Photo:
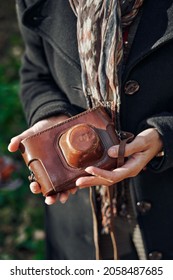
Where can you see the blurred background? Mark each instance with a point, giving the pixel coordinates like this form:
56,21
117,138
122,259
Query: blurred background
21,212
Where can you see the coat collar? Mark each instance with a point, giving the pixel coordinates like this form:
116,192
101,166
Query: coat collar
55,22
154,29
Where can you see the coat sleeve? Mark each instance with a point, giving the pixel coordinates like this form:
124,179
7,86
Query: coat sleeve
164,124
40,95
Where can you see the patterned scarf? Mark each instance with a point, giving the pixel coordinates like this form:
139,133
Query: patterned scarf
100,43
100,25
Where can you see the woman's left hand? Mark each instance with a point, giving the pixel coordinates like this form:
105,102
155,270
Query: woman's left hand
139,152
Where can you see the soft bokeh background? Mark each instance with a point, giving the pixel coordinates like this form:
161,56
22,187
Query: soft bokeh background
21,213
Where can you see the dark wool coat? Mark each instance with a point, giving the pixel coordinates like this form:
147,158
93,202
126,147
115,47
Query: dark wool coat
51,84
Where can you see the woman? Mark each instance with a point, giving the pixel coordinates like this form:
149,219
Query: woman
52,89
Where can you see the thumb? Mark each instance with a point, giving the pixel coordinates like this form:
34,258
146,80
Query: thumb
15,141
14,144
137,145
113,151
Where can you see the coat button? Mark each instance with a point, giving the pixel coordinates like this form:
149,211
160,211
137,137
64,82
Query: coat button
143,207
37,19
131,87
155,255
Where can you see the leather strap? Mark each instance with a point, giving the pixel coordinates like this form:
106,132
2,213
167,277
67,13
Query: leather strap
110,190
121,153
126,137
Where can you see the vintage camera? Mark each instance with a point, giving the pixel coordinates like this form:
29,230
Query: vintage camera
59,155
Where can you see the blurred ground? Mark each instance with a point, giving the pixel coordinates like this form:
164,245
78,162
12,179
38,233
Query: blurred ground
21,213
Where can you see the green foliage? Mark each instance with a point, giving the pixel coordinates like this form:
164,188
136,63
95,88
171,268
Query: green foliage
21,215
12,120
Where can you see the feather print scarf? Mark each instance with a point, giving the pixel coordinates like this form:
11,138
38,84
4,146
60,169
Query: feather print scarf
100,25
100,44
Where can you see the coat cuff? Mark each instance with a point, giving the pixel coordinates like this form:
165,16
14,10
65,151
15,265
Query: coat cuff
52,109
164,125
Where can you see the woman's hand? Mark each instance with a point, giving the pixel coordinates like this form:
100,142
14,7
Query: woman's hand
14,146
139,152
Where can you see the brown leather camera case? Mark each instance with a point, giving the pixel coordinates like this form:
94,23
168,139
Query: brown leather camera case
59,155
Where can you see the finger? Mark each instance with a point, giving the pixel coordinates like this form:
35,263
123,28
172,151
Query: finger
73,191
130,169
137,145
63,197
14,144
96,179
142,142
91,181
15,141
35,188
51,199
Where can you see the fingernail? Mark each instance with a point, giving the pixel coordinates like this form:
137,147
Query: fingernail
112,151
63,199
90,170
47,201
78,185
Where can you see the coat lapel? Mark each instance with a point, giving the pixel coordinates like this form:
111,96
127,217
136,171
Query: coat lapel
154,29
55,22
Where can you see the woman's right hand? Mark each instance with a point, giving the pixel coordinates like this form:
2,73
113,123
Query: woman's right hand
14,146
